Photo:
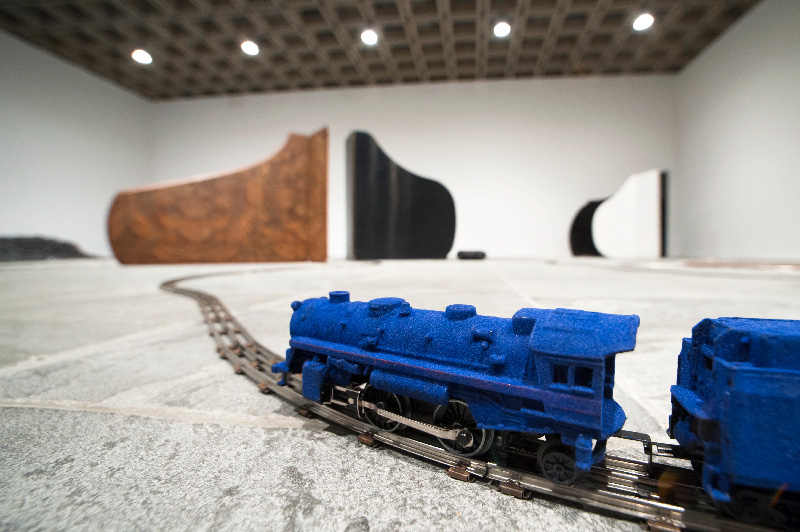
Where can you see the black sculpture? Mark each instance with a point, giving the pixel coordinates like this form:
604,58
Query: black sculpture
38,248
580,234
394,214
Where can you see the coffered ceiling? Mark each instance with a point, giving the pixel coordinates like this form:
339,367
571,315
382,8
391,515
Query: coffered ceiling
315,44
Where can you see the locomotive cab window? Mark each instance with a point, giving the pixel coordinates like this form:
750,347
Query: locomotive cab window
560,374
583,377
578,378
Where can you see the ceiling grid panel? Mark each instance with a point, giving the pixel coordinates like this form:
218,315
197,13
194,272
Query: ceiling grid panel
545,65
448,38
195,45
482,36
696,19
345,41
410,27
613,23
519,23
367,10
650,47
579,63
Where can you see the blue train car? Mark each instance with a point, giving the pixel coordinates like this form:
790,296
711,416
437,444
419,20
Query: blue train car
736,405
543,371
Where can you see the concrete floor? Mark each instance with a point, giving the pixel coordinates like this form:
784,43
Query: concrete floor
117,413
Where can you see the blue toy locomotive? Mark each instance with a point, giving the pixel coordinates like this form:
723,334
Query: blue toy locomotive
542,372
471,381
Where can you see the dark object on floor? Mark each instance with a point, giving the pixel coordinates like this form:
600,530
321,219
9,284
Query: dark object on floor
392,213
273,211
37,248
471,255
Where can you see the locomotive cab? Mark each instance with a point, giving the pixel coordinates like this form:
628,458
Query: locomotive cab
581,397
574,356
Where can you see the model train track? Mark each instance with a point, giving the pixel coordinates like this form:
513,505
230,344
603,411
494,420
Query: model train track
621,486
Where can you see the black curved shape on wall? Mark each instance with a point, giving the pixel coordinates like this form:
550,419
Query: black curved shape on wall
392,213
580,234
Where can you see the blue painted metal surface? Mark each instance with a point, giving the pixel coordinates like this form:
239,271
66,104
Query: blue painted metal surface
737,404
547,371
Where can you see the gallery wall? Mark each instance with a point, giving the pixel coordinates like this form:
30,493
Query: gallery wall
737,188
519,157
68,141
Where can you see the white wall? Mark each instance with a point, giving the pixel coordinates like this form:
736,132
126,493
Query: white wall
519,157
68,141
737,190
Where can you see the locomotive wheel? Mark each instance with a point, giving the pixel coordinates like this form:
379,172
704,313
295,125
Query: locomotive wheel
391,402
456,415
557,462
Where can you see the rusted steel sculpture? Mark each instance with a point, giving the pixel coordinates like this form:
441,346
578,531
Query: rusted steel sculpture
273,211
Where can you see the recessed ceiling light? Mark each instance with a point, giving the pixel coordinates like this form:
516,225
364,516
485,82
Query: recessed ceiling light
502,29
369,37
140,56
250,48
643,21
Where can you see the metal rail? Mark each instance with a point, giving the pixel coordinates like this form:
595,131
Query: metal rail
621,486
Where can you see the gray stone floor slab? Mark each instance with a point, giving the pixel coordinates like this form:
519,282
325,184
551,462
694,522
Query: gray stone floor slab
116,413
